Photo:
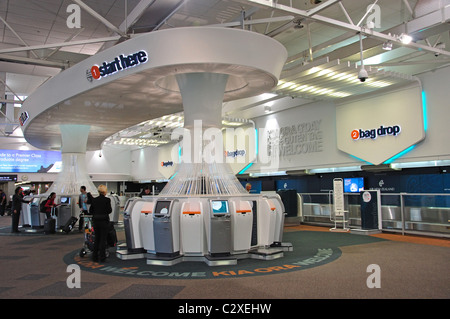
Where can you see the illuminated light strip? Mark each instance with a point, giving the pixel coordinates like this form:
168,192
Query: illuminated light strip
425,127
389,161
256,153
424,111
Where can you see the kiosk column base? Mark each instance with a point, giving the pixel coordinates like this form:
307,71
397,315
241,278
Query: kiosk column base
124,253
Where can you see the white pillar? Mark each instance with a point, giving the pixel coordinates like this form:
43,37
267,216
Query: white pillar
73,152
204,171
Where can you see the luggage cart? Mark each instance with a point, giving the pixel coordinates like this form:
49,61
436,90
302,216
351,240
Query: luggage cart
89,236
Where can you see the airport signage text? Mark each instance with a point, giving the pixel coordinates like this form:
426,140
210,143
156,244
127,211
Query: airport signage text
120,63
166,164
374,133
235,153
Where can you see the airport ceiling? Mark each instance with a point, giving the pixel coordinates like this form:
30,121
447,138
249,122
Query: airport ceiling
40,38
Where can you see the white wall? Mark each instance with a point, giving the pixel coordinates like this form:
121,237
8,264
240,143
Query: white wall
122,163
144,164
434,146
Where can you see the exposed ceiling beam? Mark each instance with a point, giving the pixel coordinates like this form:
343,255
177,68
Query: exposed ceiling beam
444,14
97,16
58,45
17,35
135,14
24,60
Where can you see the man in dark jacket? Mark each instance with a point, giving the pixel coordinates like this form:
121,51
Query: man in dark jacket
100,210
16,208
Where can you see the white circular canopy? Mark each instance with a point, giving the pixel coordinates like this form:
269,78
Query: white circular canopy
139,84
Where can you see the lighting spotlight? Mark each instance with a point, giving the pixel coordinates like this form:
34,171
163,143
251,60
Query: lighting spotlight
404,38
387,46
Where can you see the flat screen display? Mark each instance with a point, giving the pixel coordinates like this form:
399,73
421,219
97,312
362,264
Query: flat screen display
162,207
219,207
35,200
65,200
353,185
21,161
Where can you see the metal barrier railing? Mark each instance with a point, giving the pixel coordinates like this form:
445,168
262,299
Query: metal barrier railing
425,213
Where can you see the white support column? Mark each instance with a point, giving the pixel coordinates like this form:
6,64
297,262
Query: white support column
73,152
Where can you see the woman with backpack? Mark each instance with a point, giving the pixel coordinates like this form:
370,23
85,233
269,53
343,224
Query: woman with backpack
49,204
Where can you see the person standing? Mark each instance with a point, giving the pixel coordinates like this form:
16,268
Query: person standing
16,208
100,210
2,202
50,204
83,205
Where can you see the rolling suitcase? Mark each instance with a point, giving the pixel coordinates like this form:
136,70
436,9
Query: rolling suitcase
49,225
70,224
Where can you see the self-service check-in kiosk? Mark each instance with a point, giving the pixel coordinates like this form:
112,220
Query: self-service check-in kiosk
279,219
266,222
131,216
219,237
241,226
115,205
191,228
35,214
64,211
166,227
146,227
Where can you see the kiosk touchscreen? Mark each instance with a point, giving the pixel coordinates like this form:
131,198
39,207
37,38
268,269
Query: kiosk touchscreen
65,201
162,208
166,228
220,228
64,211
220,207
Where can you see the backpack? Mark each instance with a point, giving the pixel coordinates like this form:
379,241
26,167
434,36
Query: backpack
42,206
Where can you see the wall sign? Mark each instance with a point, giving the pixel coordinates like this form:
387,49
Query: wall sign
23,118
166,164
302,138
374,133
235,153
119,63
389,123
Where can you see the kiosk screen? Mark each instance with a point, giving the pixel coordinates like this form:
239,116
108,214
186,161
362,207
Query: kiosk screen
35,201
162,208
65,200
219,207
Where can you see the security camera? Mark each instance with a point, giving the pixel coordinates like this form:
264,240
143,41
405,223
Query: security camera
362,75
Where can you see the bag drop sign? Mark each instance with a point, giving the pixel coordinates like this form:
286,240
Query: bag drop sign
358,134
119,63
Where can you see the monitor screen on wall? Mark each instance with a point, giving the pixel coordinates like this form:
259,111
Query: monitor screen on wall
353,185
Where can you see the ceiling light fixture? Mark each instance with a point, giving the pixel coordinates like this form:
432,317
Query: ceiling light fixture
404,38
387,46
